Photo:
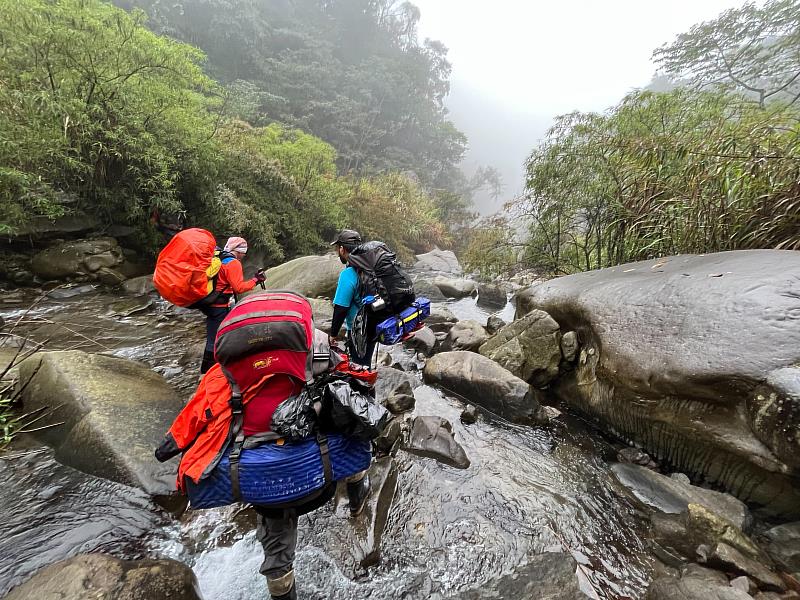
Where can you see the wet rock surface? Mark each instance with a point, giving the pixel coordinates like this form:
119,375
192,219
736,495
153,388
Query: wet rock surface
113,413
485,383
729,559
401,399
548,576
139,286
103,577
528,347
423,340
441,319
313,276
494,324
692,588
441,261
82,258
672,496
783,545
465,335
455,288
425,288
492,295
690,398
391,381
432,437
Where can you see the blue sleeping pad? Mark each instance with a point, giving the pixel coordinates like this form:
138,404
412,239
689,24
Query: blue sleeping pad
395,328
276,474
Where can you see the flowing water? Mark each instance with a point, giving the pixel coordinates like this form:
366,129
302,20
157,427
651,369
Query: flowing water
528,490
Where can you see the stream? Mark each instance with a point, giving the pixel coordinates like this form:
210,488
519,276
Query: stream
527,491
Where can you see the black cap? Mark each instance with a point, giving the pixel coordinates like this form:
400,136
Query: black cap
347,238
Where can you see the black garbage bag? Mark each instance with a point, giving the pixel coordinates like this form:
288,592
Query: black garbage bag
295,417
350,409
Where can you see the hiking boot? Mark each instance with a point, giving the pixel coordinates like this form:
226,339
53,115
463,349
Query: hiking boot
282,588
357,494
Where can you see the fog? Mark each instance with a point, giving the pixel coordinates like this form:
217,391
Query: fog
517,64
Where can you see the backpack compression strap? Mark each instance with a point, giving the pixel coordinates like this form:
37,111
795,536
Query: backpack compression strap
237,433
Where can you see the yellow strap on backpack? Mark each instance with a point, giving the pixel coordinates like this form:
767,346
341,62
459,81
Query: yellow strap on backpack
212,270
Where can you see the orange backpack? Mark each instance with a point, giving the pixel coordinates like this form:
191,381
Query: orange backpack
187,268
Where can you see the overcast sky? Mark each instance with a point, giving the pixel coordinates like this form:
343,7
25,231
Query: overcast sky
519,63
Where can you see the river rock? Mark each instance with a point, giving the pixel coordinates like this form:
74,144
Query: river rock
312,276
455,288
103,577
114,413
709,528
469,415
323,313
386,441
391,381
139,286
432,437
485,383
492,296
671,496
441,261
76,259
130,306
569,346
465,335
783,545
64,292
423,340
693,358
401,399
528,347
423,288
744,584
549,576
730,559
667,588
441,319
494,324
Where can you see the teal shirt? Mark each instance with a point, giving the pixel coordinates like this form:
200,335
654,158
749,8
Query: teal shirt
347,294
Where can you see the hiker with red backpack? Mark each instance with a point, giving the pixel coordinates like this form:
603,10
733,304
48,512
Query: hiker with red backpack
276,423
193,272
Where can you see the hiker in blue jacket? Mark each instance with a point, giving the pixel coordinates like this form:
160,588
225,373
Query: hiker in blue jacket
347,299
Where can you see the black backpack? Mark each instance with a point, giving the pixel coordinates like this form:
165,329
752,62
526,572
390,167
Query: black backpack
379,275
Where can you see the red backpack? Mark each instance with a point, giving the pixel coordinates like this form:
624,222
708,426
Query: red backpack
186,269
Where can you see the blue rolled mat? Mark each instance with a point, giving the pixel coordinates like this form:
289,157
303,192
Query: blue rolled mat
276,474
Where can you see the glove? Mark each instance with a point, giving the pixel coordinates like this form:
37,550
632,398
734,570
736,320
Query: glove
260,276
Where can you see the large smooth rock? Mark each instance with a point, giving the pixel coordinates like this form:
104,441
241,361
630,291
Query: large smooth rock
692,588
139,286
391,381
673,496
323,314
103,577
432,437
82,258
783,545
423,288
114,412
441,319
731,560
528,347
311,276
455,288
694,359
422,340
442,261
549,576
483,382
491,295
465,335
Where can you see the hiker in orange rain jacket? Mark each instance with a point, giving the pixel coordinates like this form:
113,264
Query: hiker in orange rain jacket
230,281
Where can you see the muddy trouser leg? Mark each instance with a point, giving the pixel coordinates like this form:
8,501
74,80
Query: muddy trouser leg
278,537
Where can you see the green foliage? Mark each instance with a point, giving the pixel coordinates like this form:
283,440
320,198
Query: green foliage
95,105
754,50
350,72
491,249
663,174
397,210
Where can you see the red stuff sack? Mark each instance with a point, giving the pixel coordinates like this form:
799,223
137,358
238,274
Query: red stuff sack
187,268
266,334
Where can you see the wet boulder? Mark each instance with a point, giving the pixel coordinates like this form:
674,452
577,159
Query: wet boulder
312,276
139,286
103,577
441,261
483,382
730,560
455,288
494,324
432,437
423,288
694,359
491,295
528,347
465,335
673,496
422,340
693,588
393,381
323,313
402,399
107,414
441,319
549,576
783,545
81,259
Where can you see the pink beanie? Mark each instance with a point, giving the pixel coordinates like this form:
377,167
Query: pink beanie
236,244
